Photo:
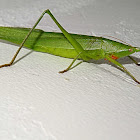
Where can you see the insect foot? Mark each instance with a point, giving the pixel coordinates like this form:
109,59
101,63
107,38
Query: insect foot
5,65
63,71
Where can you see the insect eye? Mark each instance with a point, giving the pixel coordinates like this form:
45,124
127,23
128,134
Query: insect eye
130,50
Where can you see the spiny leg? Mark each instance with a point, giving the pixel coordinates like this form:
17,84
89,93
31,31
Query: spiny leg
121,66
74,43
134,61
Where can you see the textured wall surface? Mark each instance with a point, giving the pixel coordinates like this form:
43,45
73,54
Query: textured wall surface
94,101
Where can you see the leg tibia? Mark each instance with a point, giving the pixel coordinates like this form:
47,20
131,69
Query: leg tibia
124,69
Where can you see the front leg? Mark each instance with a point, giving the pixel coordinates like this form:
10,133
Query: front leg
121,66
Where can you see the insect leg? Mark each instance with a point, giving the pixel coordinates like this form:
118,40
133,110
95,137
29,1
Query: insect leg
21,45
134,61
70,66
121,66
74,43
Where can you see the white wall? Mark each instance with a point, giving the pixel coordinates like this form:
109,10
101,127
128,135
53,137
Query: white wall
94,101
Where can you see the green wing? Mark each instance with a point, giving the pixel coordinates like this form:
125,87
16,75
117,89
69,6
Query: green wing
49,42
57,44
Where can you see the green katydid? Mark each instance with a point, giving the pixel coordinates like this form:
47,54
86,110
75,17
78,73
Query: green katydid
67,45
